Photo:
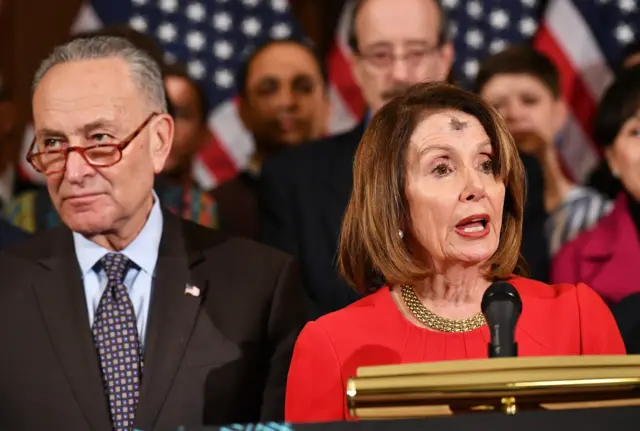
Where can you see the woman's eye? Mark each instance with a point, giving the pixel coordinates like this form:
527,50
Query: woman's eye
487,166
442,169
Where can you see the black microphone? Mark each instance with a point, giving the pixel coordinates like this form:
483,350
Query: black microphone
501,306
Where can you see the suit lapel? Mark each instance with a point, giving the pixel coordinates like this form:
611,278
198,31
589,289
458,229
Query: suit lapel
60,295
172,318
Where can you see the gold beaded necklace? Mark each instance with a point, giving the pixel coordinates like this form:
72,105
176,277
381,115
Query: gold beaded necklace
435,322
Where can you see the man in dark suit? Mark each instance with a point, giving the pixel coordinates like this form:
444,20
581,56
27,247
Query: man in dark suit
283,102
305,191
127,316
10,234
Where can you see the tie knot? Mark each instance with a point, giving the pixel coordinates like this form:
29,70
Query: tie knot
116,265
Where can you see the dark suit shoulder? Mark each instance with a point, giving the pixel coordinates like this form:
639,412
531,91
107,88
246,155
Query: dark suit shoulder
42,244
314,153
10,234
206,239
243,183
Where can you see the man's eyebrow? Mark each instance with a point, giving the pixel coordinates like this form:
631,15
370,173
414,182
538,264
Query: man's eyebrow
378,45
45,131
100,123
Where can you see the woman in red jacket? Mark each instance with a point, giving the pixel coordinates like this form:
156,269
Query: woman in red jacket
607,256
435,217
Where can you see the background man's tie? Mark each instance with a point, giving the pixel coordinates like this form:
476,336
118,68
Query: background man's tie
115,335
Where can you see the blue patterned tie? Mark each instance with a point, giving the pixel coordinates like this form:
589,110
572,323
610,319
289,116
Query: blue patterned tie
115,335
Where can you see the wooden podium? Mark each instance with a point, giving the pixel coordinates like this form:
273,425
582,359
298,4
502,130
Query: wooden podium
509,385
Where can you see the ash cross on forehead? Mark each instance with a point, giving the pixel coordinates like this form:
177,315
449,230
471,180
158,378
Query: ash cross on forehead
457,124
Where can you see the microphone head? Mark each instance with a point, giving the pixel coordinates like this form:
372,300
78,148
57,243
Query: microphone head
501,306
501,291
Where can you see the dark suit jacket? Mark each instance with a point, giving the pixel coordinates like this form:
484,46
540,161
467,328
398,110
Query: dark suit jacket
237,205
628,320
219,358
303,196
10,234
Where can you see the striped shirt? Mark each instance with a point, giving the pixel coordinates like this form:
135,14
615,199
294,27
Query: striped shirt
581,210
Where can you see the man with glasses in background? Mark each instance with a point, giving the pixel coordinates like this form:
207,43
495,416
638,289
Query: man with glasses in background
304,191
127,316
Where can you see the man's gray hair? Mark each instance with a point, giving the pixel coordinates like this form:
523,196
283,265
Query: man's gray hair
144,70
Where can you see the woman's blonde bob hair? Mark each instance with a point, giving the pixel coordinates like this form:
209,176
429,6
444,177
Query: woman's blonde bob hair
371,253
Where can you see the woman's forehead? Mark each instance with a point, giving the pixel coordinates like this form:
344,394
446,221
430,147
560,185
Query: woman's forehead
448,126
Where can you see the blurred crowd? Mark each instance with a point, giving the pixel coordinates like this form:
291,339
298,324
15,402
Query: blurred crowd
293,193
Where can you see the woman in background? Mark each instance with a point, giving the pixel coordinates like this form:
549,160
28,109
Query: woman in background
436,216
607,256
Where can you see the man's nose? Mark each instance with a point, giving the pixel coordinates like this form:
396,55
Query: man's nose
285,98
513,113
76,167
400,70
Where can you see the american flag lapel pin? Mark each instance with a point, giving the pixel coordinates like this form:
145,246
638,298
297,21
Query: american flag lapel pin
192,290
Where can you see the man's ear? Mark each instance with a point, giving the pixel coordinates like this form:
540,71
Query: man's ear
446,59
161,140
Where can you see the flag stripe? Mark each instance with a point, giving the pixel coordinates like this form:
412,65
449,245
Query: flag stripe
231,133
569,41
340,71
576,152
342,117
576,39
202,175
86,19
222,166
340,74
574,90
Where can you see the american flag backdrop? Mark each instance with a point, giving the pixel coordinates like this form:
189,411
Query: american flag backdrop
583,37
212,38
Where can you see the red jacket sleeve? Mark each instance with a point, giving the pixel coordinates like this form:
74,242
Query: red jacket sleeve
315,390
599,331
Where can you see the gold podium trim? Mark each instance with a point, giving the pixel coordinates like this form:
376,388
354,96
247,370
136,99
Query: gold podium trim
505,384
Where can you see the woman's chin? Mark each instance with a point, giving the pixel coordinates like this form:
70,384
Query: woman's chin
474,256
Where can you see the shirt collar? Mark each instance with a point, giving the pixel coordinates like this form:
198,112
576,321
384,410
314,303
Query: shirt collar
143,250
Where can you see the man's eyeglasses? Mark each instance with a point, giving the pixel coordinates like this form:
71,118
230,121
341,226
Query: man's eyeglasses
51,162
385,58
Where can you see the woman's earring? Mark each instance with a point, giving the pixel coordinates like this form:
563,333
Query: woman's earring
400,233
615,174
